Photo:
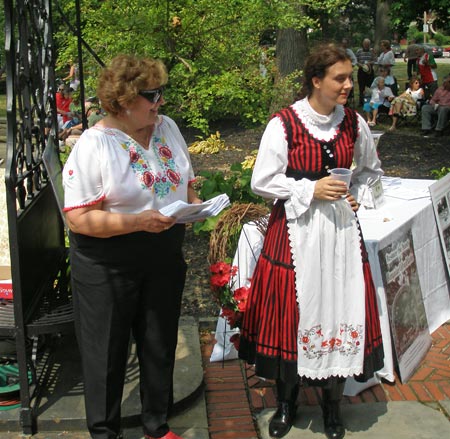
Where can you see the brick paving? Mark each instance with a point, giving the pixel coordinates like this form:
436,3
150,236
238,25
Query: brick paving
234,394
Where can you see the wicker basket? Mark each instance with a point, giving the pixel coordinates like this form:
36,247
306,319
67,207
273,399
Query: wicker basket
225,236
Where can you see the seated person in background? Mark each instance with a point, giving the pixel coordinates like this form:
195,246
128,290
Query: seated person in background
380,101
93,114
63,99
438,107
406,103
74,111
389,80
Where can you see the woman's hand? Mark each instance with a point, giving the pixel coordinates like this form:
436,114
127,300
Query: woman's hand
94,221
329,189
153,221
353,203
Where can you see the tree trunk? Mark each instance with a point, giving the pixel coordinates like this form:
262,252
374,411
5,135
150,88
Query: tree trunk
291,50
382,22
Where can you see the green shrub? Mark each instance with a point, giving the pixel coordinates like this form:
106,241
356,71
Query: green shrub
236,184
439,173
440,39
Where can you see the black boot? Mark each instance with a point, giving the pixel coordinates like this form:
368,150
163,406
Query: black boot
284,417
282,420
331,402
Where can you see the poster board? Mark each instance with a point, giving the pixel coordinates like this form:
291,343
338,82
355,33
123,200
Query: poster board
408,321
440,197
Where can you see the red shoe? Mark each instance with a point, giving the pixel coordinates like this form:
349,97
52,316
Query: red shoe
170,435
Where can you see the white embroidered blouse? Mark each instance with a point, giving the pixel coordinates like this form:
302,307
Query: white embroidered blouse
109,166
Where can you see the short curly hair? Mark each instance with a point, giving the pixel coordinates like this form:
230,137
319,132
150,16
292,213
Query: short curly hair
120,82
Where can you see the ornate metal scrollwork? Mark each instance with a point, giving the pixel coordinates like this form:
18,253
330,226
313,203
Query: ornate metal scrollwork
31,107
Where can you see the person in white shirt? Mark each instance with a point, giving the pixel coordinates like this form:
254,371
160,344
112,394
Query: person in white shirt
306,313
380,101
127,264
386,57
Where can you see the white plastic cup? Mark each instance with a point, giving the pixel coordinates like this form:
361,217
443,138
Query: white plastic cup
342,174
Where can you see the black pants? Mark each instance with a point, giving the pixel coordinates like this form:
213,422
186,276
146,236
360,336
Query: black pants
364,80
130,283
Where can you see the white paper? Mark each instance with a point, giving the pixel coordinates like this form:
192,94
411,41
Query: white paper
187,213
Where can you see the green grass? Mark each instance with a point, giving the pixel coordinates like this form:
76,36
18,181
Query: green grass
2,105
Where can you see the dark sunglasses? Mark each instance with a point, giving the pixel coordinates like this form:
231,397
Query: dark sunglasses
152,96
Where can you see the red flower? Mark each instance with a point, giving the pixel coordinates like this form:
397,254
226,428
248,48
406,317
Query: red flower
241,293
242,305
232,317
233,303
305,340
235,339
221,274
219,280
223,268
354,334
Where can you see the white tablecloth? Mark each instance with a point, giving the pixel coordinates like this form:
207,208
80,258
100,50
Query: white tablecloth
406,201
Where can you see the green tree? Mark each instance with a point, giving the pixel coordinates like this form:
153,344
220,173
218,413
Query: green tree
403,12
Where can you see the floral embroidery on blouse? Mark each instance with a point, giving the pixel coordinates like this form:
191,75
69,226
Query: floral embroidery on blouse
347,343
159,182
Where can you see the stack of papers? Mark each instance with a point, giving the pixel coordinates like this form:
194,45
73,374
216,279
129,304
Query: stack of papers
187,213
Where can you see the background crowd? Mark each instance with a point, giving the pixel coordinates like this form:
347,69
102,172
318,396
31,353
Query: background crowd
421,98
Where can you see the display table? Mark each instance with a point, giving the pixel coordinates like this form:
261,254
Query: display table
407,204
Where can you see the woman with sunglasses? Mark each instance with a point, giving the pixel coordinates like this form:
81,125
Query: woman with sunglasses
127,264
406,104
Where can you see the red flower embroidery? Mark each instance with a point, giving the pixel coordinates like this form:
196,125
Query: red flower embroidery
134,156
70,171
354,334
165,152
173,176
305,340
148,178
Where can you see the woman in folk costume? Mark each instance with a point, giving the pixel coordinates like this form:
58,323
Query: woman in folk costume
312,313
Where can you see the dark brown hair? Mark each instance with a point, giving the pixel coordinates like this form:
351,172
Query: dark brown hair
317,64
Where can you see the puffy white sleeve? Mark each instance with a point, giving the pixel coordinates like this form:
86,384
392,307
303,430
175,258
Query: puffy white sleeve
269,179
82,178
368,165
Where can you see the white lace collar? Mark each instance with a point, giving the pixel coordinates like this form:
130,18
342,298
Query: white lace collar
323,127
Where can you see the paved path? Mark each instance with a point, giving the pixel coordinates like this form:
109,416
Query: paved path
419,409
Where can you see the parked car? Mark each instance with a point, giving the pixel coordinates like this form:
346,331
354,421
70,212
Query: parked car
436,51
397,49
446,52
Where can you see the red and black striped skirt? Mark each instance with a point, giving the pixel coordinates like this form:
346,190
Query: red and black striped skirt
269,329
